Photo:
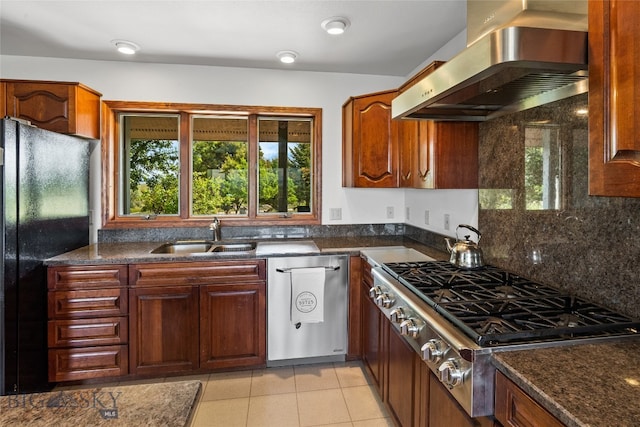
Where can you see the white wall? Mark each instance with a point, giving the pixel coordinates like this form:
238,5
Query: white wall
219,85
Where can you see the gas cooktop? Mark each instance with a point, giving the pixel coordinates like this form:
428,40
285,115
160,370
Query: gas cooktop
495,307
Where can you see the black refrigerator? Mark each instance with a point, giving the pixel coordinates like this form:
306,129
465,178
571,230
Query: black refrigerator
45,212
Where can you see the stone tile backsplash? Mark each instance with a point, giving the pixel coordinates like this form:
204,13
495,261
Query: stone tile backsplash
537,218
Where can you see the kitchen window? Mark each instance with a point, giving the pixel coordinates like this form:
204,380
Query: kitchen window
183,164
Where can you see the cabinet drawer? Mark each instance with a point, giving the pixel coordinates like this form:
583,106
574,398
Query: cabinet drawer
195,273
88,332
86,277
93,303
514,408
86,363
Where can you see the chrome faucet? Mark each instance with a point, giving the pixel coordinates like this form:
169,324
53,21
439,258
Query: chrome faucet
215,227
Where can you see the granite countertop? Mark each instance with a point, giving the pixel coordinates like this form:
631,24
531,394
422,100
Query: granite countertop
595,385
169,404
132,252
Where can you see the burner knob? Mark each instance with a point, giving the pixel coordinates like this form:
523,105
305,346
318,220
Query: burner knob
411,328
398,315
385,300
433,350
375,291
451,373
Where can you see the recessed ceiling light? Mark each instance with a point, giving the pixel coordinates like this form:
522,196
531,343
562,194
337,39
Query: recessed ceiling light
335,25
126,47
287,56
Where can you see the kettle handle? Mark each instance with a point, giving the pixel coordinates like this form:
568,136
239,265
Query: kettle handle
468,227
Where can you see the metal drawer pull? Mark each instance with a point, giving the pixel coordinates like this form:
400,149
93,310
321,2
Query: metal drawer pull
288,270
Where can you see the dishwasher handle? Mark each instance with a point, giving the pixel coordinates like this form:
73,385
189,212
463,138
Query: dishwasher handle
288,269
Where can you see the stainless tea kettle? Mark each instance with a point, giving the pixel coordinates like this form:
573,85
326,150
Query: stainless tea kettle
465,253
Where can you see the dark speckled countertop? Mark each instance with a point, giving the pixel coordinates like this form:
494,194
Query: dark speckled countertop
133,252
169,404
595,385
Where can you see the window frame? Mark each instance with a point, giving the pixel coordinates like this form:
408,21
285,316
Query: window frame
111,157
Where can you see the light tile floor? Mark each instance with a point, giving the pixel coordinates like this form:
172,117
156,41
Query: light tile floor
332,394
336,394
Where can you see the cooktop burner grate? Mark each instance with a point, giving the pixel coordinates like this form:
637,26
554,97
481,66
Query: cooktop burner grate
496,307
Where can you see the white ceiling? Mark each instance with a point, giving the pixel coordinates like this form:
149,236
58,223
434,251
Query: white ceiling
386,37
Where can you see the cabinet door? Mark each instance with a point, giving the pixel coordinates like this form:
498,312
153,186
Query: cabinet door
370,142
3,99
355,308
373,341
408,154
163,329
614,96
423,163
454,154
442,155
514,408
232,325
444,410
59,107
403,379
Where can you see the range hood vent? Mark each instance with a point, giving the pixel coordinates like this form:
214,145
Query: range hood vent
524,63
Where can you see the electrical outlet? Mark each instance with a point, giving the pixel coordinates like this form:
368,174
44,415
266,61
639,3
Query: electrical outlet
335,214
408,213
446,221
426,217
389,212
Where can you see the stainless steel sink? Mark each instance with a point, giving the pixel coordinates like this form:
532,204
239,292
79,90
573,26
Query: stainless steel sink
234,247
193,247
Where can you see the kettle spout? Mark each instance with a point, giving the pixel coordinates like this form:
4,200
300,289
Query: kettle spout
449,245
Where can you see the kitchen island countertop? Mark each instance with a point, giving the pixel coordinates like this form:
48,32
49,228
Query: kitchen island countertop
595,385
134,252
169,404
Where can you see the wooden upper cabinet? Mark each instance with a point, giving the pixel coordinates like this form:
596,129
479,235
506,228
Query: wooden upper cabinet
62,107
3,98
439,155
369,142
614,97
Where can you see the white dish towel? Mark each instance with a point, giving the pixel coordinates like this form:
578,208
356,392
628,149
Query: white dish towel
307,295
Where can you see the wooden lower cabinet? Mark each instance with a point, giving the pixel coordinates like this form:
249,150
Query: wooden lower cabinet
444,410
155,318
88,324
403,380
232,319
70,364
514,408
188,316
374,334
354,351
164,324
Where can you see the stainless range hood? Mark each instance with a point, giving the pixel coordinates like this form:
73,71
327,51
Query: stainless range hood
520,54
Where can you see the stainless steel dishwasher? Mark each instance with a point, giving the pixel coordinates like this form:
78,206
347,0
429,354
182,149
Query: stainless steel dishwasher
297,342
